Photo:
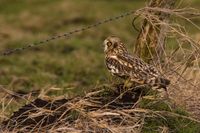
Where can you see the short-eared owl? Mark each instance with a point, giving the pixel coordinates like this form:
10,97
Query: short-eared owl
122,64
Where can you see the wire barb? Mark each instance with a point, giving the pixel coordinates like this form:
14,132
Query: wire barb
67,34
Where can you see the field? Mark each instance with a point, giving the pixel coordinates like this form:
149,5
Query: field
74,66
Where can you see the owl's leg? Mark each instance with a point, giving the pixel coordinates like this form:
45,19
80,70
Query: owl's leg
128,84
125,88
122,88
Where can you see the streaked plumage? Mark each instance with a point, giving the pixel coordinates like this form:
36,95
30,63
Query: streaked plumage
122,64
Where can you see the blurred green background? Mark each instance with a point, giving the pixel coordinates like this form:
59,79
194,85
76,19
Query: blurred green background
76,64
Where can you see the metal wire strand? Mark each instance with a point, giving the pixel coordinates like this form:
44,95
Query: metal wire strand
67,34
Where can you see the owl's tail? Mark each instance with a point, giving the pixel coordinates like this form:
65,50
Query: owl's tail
160,83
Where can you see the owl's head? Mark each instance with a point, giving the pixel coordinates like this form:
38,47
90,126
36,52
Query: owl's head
113,44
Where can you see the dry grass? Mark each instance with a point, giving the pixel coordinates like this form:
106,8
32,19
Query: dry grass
181,65
98,111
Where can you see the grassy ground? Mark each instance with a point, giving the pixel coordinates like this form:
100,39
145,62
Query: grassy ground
74,65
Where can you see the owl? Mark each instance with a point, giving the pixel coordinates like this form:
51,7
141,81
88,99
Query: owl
126,66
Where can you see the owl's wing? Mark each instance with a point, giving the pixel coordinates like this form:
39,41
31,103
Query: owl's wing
140,66
124,69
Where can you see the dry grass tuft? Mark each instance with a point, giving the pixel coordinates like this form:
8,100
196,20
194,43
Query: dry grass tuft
99,111
181,53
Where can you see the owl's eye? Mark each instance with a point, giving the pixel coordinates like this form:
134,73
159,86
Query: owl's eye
109,43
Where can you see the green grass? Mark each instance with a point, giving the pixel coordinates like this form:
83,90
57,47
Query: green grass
155,123
175,125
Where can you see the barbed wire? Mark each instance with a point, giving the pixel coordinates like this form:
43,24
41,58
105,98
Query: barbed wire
67,34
